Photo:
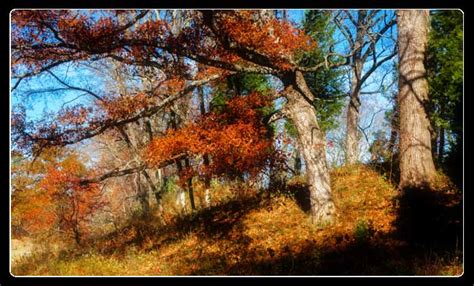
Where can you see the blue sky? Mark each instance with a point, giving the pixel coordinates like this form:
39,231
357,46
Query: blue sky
43,94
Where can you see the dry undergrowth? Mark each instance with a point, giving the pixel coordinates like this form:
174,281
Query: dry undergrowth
259,234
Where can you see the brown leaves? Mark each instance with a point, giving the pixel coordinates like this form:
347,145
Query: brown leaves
122,106
75,116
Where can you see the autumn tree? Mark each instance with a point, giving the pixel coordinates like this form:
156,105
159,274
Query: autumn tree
245,84
416,162
225,41
51,199
32,209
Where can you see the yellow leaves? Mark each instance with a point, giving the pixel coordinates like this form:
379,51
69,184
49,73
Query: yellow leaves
363,193
282,228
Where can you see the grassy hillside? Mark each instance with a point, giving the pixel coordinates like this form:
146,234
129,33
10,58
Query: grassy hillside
270,233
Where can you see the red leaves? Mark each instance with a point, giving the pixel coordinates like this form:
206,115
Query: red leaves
41,38
92,36
236,140
278,40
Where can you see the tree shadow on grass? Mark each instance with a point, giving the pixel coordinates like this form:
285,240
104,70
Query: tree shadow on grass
430,219
427,238
300,193
428,230
312,259
427,218
209,224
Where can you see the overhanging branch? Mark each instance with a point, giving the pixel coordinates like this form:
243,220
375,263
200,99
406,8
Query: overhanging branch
106,125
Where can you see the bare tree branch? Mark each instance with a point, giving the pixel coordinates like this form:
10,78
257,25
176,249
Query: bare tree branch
95,95
363,129
33,73
376,64
133,170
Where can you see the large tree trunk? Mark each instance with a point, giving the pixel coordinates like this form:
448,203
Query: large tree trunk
312,143
416,161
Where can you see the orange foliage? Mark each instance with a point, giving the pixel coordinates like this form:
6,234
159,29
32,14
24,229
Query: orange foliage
71,36
41,39
33,210
276,39
172,85
75,203
76,116
206,71
236,140
76,30
57,200
120,107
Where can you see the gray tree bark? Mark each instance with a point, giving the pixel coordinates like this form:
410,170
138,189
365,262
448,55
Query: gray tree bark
368,35
416,161
205,157
312,145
